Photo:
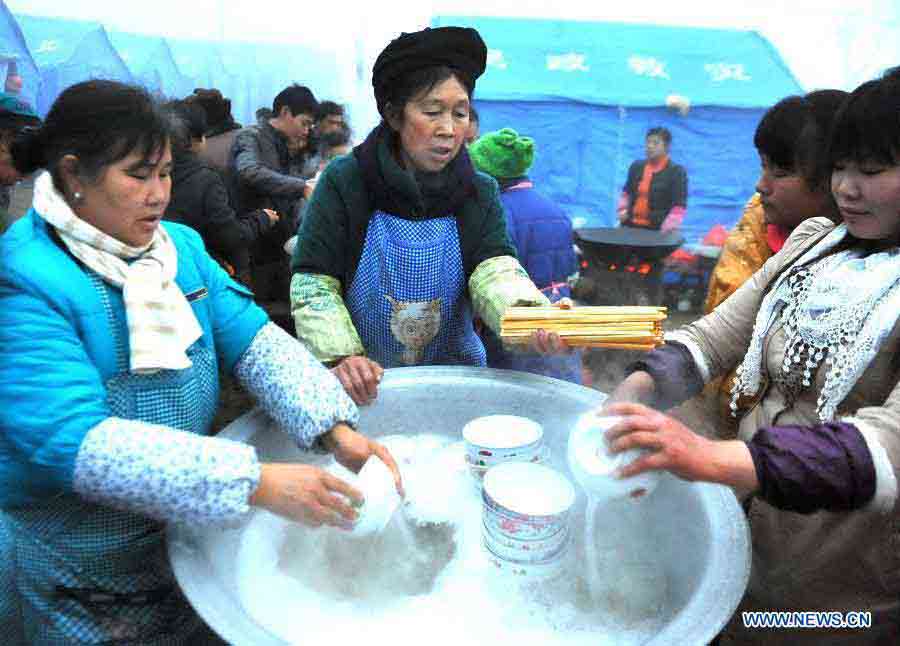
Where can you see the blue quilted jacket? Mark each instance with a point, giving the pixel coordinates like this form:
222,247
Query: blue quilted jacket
57,349
542,235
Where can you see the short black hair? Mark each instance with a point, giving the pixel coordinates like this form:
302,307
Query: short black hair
662,133
328,108
216,106
100,122
793,134
867,127
298,99
421,81
190,124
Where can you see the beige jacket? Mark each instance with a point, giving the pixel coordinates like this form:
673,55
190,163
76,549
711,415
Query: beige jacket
821,561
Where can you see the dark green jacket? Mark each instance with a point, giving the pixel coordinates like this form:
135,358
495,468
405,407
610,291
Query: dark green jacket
333,231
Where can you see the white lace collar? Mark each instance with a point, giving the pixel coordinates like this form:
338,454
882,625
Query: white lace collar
840,308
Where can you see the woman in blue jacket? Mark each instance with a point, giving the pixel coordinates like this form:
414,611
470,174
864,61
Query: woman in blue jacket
112,328
542,235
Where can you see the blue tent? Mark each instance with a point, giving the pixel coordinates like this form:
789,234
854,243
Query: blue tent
587,92
151,64
67,52
268,68
14,49
239,59
203,63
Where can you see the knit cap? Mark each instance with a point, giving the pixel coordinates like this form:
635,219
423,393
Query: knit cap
460,48
13,108
502,154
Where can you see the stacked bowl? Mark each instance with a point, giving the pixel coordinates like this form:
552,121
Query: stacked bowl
526,508
496,439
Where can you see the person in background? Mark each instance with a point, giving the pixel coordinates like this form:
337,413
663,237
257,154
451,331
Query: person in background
260,167
15,116
333,144
472,133
403,239
221,128
816,333
329,118
263,115
542,235
112,325
655,193
199,198
303,159
793,186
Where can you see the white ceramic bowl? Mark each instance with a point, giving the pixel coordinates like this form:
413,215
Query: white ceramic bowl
537,570
524,551
594,466
376,482
526,501
478,471
494,439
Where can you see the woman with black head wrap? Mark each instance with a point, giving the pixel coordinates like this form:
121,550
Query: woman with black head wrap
402,239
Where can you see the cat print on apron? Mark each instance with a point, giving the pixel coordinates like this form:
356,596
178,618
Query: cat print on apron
409,298
90,574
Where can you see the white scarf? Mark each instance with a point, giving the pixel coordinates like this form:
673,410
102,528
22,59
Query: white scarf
161,323
842,307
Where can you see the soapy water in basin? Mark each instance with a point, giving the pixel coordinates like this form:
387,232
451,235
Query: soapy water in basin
426,576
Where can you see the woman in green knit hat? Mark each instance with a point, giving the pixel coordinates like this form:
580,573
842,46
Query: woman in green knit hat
542,234
402,240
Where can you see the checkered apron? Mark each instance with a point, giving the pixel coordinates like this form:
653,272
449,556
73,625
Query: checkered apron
413,262
89,574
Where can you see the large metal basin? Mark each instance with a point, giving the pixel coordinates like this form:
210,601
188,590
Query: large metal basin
701,528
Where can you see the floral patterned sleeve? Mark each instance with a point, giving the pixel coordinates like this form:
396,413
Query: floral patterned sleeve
297,391
321,318
164,473
498,283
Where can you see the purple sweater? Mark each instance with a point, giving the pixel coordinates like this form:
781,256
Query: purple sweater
799,468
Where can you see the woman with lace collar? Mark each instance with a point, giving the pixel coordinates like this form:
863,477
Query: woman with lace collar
816,336
112,328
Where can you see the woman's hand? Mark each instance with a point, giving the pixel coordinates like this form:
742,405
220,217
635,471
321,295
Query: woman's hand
353,449
675,448
544,342
306,494
360,377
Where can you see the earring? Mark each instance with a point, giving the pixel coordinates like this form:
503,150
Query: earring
77,196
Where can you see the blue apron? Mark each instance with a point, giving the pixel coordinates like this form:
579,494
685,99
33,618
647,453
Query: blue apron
409,298
89,574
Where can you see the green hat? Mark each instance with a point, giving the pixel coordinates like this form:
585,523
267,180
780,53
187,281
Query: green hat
502,154
12,108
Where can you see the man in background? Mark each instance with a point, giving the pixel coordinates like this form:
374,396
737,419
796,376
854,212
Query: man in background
260,169
329,118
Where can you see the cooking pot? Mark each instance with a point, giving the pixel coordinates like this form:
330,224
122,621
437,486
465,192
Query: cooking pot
700,528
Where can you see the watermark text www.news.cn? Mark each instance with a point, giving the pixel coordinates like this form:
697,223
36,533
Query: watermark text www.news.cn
807,619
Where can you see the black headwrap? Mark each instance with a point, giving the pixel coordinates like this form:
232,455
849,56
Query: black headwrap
459,48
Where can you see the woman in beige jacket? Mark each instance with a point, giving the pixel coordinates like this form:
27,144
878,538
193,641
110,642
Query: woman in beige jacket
816,335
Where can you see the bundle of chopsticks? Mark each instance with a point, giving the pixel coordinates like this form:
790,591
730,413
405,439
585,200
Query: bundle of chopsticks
624,328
